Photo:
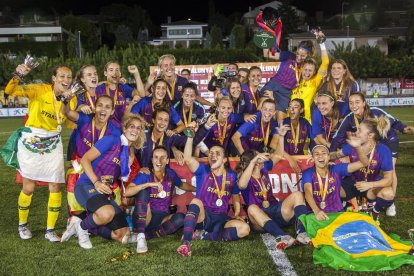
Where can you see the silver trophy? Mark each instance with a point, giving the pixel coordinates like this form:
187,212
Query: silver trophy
30,62
75,88
319,39
411,235
190,132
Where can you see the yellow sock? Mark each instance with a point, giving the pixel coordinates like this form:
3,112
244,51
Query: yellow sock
53,209
24,207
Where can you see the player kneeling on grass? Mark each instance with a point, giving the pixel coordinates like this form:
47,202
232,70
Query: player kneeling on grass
367,181
322,183
153,197
264,210
207,212
103,164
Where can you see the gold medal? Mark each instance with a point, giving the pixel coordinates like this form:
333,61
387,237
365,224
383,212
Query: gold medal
59,128
219,202
323,205
162,194
265,204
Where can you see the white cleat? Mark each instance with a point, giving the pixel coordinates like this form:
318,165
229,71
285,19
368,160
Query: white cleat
70,229
391,211
24,232
51,236
83,237
141,244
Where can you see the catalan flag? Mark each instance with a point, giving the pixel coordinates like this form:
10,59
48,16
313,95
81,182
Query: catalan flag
353,241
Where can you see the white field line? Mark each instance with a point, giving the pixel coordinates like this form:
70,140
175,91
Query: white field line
280,259
406,142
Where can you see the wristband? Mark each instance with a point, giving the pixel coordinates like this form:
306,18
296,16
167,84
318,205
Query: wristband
322,46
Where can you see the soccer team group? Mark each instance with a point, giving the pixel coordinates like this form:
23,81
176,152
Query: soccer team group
120,151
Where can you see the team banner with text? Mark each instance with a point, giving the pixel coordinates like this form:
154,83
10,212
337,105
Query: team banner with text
201,74
283,178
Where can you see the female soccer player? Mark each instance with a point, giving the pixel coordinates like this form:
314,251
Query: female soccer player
220,126
322,182
297,139
360,110
103,164
153,196
325,119
264,211
260,134
215,185
91,128
119,92
147,105
241,101
287,77
188,108
367,181
89,78
157,136
40,151
342,83
254,79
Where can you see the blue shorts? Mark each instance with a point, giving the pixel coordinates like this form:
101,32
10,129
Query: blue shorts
281,94
275,213
213,222
84,191
156,220
394,146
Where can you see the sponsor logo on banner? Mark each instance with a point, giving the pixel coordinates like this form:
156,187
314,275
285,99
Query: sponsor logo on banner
406,101
13,112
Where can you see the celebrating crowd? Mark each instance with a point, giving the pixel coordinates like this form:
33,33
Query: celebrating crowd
119,151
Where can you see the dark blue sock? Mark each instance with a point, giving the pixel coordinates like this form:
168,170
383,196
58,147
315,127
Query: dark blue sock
299,210
168,227
226,234
190,221
88,223
103,231
382,204
139,217
272,228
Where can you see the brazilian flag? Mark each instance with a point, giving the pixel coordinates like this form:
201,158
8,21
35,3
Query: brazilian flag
353,241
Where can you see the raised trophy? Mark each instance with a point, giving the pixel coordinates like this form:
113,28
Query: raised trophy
411,235
30,62
75,88
320,38
270,29
190,132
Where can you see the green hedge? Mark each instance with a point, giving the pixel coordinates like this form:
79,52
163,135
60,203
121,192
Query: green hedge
363,62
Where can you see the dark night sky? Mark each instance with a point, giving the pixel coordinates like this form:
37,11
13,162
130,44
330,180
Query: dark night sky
159,10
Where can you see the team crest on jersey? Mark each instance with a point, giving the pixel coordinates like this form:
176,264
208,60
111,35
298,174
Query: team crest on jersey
169,183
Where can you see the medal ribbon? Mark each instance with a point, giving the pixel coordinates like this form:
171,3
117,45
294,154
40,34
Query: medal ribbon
263,190
155,141
253,95
93,131
356,121
109,94
221,134
160,180
124,158
221,192
323,190
187,121
339,93
171,94
295,136
297,74
90,100
330,128
265,135
371,155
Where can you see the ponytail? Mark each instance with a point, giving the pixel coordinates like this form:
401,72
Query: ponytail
379,126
